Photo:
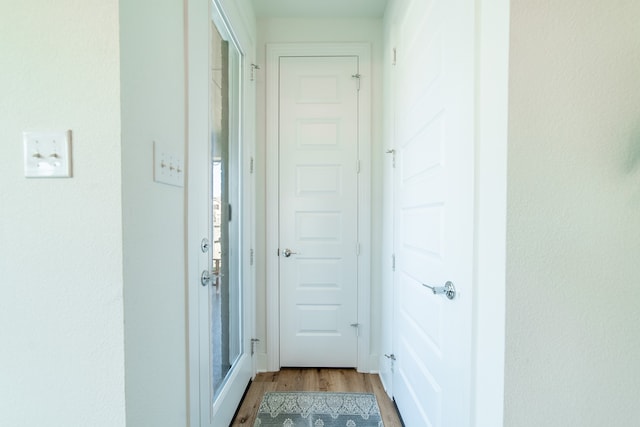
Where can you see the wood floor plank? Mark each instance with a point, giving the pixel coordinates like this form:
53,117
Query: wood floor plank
246,415
311,379
289,380
267,377
388,410
314,379
338,381
323,380
364,382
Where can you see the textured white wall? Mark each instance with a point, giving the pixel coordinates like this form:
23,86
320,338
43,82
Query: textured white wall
153,108
293,30
573,336
61,314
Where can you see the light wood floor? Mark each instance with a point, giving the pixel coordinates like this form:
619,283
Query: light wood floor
314,379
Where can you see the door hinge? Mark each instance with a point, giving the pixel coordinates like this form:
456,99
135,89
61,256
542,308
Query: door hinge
358,166
251,165
393,156
357,77
357,249
357,326
229,212
254,343
394,57
393,262
250,256
392,360
254,67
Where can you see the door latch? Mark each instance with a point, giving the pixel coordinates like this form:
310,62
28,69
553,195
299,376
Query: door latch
448,290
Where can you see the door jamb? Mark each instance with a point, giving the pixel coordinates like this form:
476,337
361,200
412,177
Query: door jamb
274,52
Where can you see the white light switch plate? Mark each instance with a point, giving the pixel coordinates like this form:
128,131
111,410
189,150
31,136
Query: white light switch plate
168,167
47,154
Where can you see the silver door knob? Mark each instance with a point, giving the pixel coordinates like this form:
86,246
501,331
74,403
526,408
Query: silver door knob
288,252
209,277
205,278
448,290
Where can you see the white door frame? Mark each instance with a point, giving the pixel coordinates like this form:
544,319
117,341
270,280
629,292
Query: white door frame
274,52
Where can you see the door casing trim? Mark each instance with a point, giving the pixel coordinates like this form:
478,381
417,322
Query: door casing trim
273,54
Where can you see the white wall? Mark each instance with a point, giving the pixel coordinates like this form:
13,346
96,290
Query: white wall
573,336
62,241
153,109
292,30
61,285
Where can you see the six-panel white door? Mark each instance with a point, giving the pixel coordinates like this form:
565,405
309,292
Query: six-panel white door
318,192
434,212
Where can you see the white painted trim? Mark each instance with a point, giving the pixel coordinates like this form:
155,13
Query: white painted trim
197,77
274,52
492,82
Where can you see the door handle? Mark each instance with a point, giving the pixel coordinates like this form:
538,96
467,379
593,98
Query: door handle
448,290
207,277
288,252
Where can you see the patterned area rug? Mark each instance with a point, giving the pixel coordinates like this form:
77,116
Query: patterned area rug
308,409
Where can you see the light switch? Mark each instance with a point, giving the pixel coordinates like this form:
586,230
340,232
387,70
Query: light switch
47,154
168,166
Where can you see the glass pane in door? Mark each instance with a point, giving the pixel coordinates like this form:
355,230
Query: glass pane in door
225,308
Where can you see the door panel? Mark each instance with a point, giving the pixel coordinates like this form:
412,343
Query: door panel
318,210
434,212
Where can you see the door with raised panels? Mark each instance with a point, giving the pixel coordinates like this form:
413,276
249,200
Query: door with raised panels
434,213
318,205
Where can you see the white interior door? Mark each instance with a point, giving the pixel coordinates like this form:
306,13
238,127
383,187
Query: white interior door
318,205
434,212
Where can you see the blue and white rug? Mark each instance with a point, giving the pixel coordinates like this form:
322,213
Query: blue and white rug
318,409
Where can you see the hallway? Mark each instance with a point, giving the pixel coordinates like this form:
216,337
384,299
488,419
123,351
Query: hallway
100,311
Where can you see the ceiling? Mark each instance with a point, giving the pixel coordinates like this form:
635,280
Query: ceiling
319,8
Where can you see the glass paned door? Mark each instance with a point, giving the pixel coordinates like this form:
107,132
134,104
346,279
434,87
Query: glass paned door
225,276
217,189
225,362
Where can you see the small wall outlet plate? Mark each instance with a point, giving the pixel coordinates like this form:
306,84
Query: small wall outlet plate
47,154
168,166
